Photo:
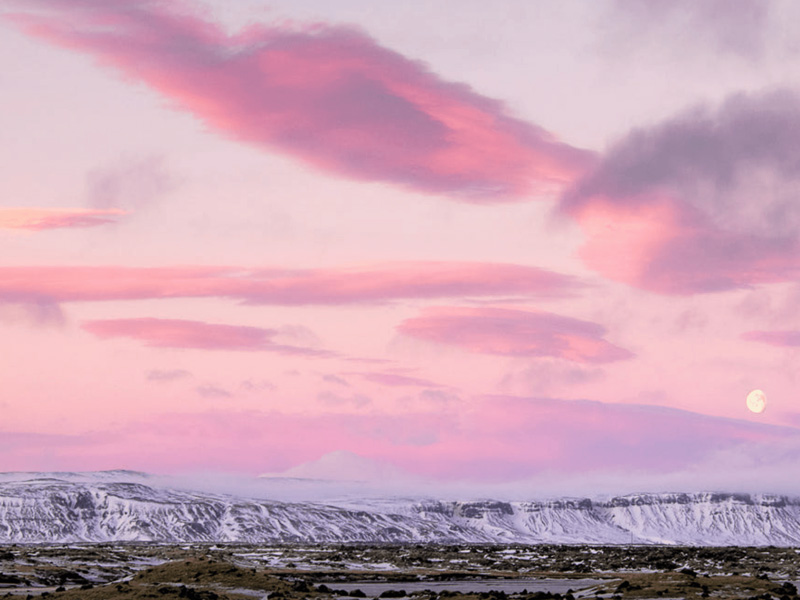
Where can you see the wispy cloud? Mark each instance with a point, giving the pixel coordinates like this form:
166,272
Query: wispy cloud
332,399
197,335
212,391
40,219
328,95
397,380
729,26
784,339
167,375
31,310
376,283
129,184
703,202
545,375
331,378
510,332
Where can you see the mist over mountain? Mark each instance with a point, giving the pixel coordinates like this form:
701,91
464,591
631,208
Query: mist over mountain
130,506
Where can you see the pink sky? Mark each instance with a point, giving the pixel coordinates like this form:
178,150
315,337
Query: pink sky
477,243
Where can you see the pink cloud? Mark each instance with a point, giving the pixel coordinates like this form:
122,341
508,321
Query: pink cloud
397,380
510,332
520,437
701,203
785,339
40,219
198,335
327,95
282,286
492,439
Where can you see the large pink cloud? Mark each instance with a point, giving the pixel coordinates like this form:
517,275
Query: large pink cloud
376,283
703,202
510,332
328,95
785,339
492,439
39,219
198,335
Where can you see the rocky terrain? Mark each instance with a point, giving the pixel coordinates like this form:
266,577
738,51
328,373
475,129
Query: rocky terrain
418,572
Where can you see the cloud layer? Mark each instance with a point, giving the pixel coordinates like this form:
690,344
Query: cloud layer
197,335
494,439
40,219
328,95
510,332
703,202
784,339
277,286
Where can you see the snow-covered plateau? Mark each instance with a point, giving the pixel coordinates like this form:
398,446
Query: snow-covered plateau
63,507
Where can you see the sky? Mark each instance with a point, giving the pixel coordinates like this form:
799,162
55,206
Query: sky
550,244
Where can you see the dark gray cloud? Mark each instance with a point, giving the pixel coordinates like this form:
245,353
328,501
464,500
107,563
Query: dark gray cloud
713,195
738,165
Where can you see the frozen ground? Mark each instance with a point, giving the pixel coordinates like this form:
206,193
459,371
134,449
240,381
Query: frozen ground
417,571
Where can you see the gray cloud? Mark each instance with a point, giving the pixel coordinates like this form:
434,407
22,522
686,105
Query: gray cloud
547,375
167,375
737,27
724,185
354,400
335,379
738,165
254,386
35,311
211,391
129,184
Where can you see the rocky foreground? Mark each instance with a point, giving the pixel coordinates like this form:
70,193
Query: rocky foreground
416,572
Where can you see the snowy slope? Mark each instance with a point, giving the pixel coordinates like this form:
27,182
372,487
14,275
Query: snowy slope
65,508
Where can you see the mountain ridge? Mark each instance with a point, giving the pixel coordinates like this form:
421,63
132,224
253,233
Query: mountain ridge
48,509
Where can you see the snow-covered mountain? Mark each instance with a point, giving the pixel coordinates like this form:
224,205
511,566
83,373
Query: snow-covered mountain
71,508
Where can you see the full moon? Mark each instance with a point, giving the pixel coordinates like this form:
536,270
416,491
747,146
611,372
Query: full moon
756,401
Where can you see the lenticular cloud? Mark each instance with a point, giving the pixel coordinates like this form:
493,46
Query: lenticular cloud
328,95
510,332
276,286
197,335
